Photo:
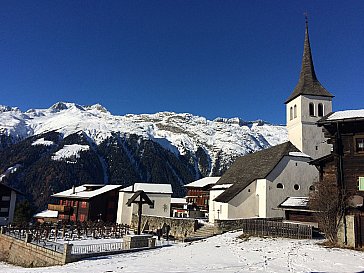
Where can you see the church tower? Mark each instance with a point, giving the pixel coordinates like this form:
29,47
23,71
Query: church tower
308,102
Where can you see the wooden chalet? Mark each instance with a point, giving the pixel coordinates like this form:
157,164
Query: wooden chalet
344,167
89,202
198,193
7,204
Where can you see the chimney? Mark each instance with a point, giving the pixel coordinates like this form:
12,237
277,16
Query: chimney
73,189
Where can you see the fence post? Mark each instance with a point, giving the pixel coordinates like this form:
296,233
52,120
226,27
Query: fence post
67,253
28,237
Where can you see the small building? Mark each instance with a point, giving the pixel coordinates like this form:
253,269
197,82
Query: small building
198,194
159,194
256,184
297,210
344,168
46,216
89,202
179,207
7,204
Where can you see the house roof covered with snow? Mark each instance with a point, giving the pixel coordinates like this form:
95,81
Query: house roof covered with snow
46,214
178,201
295,202
86,191
347,115
248,168
203,182
149,188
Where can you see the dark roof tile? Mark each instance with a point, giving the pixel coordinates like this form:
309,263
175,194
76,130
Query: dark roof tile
250,167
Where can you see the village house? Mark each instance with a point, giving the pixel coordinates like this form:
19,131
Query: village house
89,202
179,207
344,168
256,184
197,197
7,204
159,194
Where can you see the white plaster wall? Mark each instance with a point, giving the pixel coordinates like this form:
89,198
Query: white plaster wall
214,206
124,212
245,204
261,192
289,171
303,131
162,206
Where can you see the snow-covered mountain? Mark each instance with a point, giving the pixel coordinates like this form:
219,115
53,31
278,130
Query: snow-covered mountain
66,132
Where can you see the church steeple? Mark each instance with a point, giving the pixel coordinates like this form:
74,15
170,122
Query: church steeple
308,83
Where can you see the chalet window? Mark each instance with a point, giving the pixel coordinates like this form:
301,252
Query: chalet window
311,109
291,113
320,109
295,111
4,210
152,206
5,198
361,183
83,204
73,218
82,217
359,145
279,186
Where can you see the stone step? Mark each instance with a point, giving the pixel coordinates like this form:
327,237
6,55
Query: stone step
203,232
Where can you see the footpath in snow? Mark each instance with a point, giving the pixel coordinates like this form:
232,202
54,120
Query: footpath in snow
224,253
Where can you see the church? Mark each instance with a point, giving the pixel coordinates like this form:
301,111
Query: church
256,184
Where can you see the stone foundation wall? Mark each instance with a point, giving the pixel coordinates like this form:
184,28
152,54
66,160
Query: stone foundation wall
31,255
179,227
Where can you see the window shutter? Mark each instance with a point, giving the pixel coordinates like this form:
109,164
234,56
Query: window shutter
361,183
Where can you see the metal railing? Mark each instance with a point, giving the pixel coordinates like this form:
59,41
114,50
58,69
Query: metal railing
96,248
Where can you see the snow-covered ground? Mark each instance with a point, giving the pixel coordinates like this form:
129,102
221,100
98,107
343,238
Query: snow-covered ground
224,253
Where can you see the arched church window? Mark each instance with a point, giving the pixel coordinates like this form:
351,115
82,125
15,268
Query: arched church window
291,113
320,111
279,186
311,109
295,111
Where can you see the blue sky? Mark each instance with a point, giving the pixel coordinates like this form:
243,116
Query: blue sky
210,58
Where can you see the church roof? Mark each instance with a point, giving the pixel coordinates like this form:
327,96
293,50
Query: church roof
249,168
308,83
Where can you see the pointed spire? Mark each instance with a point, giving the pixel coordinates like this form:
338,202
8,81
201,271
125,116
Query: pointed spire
308,83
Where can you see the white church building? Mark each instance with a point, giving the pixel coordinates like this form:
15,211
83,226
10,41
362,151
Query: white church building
256,184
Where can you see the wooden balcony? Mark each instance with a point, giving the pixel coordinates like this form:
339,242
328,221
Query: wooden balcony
59,208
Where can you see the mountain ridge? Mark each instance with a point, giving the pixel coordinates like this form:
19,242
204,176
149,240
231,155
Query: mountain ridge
67,140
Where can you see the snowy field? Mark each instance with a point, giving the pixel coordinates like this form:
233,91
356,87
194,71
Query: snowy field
224,253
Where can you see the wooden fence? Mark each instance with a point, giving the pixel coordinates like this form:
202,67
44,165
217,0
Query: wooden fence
264,227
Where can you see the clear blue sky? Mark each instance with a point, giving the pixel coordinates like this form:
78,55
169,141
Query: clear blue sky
210,58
